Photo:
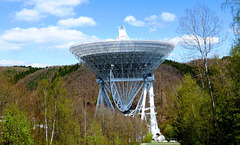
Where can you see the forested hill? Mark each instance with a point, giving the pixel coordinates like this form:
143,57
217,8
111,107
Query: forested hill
63,98
81,83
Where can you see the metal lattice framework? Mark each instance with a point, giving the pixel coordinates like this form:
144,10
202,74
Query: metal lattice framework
131,58
124,69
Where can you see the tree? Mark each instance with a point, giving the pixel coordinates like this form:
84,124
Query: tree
59,124
226,77
95,135
6,94
201,32
193,126
233,110
235,8
16,127
43,93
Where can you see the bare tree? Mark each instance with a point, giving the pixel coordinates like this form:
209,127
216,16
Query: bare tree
200,30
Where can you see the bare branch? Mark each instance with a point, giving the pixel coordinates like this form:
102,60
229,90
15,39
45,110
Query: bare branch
200,30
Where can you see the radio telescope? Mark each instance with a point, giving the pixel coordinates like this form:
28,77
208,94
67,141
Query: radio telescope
124,69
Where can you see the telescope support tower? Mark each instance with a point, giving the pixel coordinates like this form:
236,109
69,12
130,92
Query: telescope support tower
123,99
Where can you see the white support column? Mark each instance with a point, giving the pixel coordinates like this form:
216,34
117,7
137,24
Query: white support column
100,100
144,101
103,96
153,119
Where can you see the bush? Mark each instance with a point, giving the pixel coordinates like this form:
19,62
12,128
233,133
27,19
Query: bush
16,127
148,138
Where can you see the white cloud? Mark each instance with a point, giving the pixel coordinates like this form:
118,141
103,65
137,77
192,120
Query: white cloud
42,8
5,46
78,22
5,62
175,40
168,17
65,45
152,29
133,21
153,22
191,41
38,65
52,36
28,15
151,18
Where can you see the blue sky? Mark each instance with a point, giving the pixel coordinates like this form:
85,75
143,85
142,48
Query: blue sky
40,32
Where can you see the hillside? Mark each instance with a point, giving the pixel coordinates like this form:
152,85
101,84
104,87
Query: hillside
81,83
181,101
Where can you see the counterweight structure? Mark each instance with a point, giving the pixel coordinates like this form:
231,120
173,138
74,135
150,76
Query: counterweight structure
124,69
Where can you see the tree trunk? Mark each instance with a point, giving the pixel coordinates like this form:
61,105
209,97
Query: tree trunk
212,102
85,120
45,115
54,121
210,90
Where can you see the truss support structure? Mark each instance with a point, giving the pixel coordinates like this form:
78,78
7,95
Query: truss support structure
103,96
123,91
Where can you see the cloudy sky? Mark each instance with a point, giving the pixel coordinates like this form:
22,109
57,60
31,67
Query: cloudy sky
40,32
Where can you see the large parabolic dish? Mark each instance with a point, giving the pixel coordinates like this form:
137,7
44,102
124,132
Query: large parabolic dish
124,69
130,58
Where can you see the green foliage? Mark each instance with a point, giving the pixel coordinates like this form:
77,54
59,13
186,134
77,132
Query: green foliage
67,127
193,123
95,135
225,80
229,110
57,110
117,139
9,74
168,131
235,8
190,118
148,138
6,92
235,51
23,74
184,68
16,127
119,129
66,70
32,85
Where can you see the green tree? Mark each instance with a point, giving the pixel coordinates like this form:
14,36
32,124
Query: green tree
67,126
193,123
231,110
95,135
16,127
43,93
6,92
235,8
148,138
168,131
59,124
